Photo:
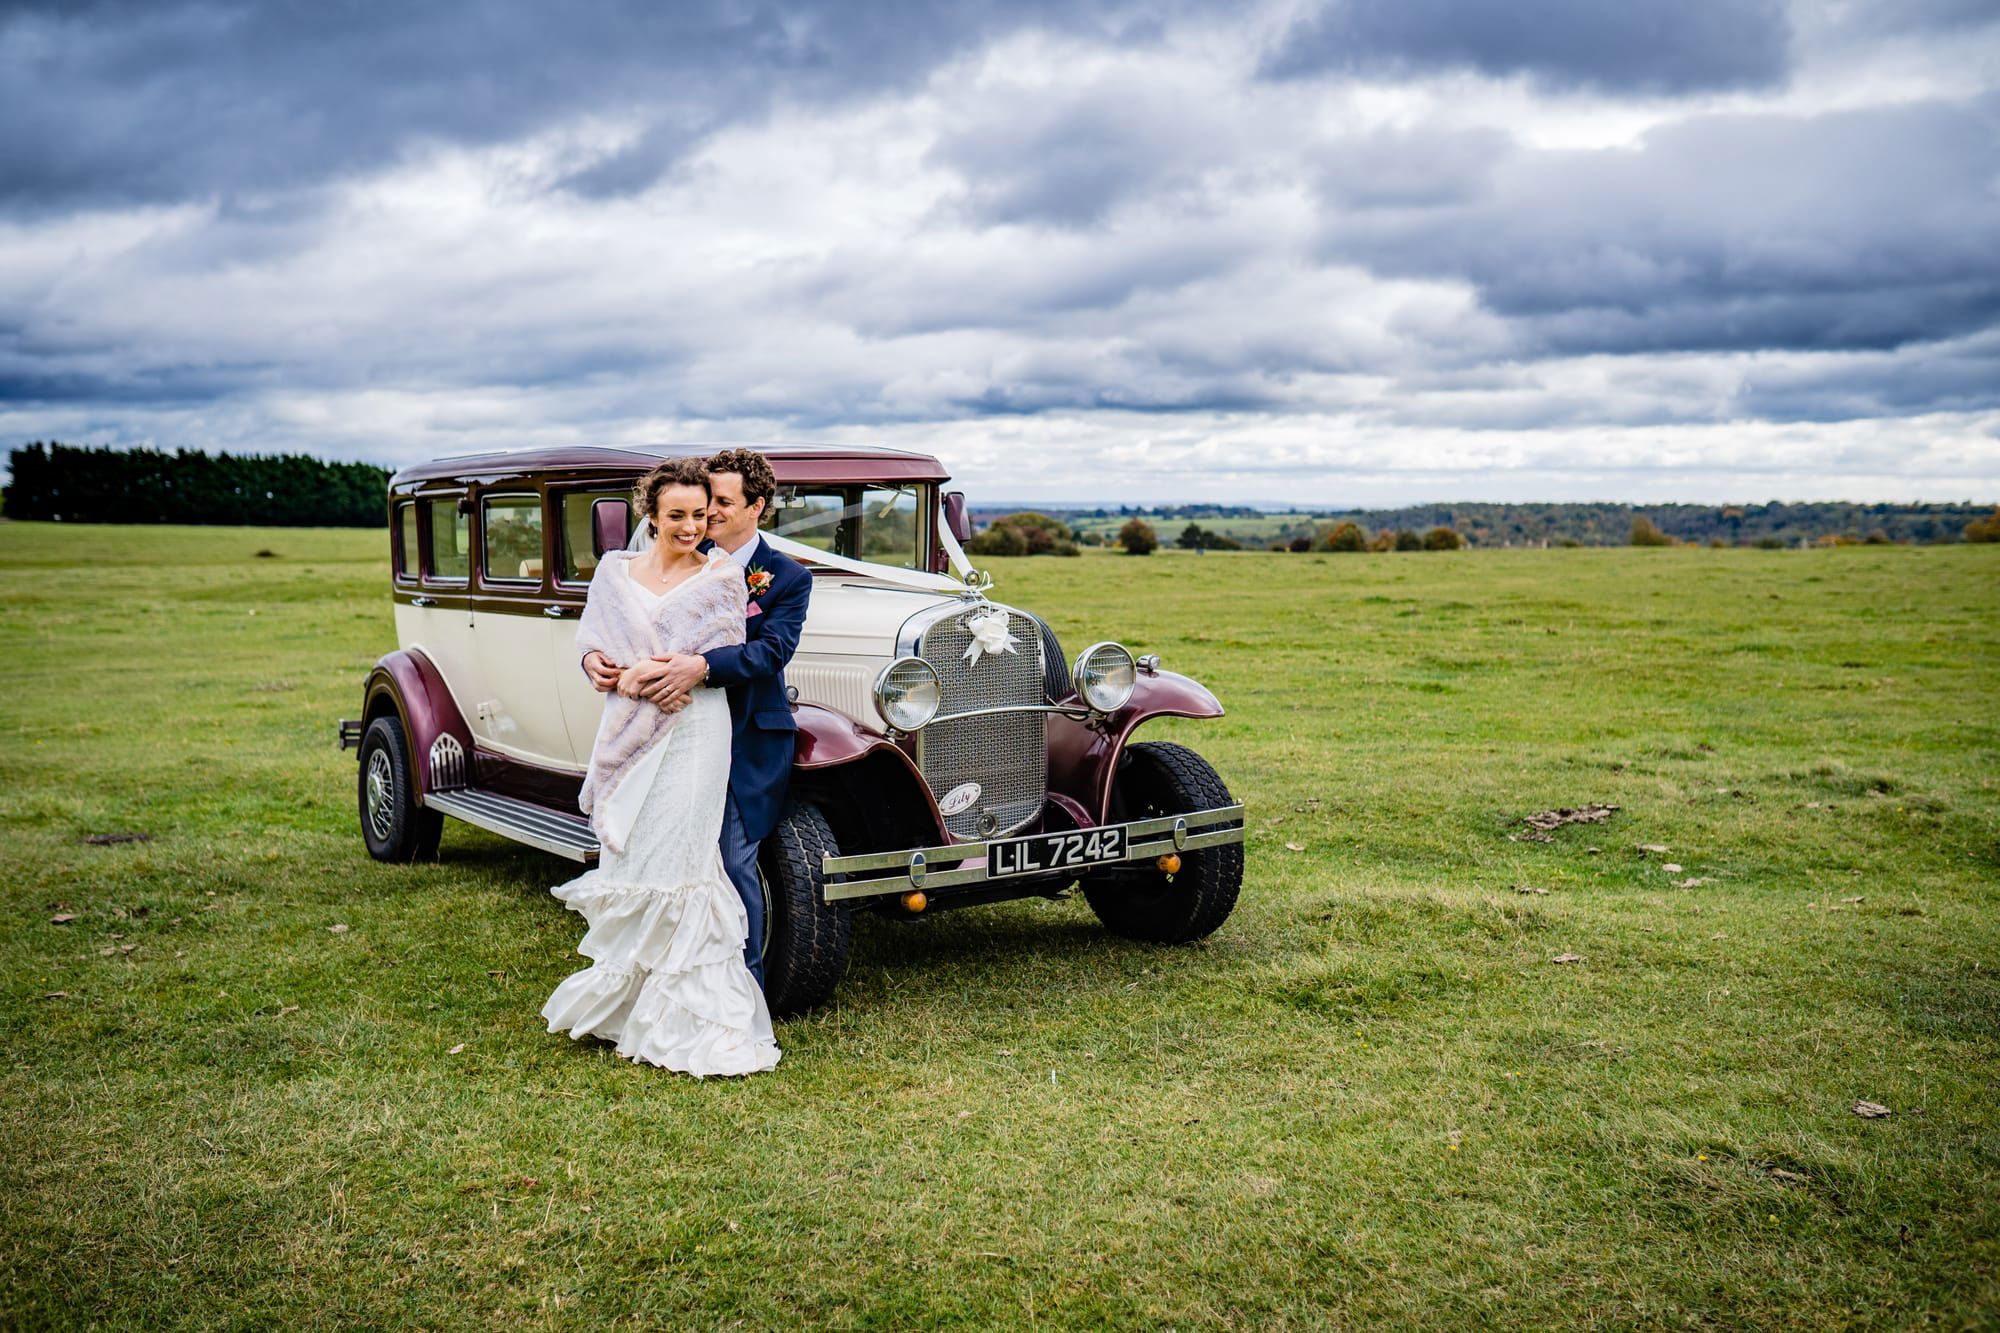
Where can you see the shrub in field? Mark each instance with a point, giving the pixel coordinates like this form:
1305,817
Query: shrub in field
1384,540
1984,529
1769,544
1443,539
1408,541
1024,534
1300,545
1138,537
1344,537
1645,532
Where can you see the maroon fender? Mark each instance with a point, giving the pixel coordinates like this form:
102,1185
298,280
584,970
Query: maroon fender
416,693
1083,756
827,740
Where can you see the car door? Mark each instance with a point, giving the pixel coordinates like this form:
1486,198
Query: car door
515,709
576,562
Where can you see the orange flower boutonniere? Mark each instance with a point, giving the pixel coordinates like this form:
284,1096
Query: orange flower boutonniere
759,580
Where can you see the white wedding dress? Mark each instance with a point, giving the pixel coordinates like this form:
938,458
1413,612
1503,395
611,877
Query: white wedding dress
667,982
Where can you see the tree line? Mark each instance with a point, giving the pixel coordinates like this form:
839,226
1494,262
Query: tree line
65,484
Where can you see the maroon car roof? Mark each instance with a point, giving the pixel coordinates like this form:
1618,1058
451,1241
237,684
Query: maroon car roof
791,462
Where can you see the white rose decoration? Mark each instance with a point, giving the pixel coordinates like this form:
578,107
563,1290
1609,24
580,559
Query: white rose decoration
989,635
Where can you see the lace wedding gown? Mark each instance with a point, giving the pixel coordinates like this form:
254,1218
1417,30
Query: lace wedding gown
667,982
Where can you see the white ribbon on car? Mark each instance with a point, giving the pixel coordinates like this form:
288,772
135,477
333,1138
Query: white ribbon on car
968,580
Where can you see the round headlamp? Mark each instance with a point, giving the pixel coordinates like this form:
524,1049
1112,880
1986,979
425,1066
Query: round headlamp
907,693
1105,675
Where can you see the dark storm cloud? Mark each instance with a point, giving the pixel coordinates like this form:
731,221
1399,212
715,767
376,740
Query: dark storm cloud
1655,46
122,103
1865,229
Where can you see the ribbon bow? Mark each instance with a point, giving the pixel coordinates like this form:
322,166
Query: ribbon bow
989,635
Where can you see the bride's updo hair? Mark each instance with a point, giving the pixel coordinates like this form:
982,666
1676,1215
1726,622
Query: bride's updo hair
674,472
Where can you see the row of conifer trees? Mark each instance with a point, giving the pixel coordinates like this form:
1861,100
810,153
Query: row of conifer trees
66,484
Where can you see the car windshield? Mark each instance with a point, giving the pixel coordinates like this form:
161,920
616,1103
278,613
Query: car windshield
883,524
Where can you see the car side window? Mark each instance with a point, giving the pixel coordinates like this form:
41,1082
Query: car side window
405,539
451,540
579,556
510,529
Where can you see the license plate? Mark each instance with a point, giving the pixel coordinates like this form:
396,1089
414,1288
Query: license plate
1054,851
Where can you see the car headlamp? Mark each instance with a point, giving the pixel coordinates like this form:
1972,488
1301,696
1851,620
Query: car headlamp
1105,675
907,693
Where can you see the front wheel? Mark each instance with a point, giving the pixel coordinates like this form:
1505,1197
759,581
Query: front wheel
805,938
393,825
1141,902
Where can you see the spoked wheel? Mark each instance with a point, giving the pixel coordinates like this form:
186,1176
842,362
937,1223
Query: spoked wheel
1143,902
393,825
805,939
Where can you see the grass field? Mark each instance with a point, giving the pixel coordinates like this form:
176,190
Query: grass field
1371,1100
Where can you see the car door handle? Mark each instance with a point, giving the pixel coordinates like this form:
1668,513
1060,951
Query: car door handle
555,612
423,601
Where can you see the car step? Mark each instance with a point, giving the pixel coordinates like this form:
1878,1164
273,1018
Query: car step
523,821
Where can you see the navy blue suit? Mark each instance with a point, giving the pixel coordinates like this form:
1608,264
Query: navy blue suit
760,716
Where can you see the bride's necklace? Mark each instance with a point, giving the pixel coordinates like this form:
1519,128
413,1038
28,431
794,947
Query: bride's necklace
662,582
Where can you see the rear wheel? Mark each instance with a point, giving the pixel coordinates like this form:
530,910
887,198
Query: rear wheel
1142,902
805,939
393,825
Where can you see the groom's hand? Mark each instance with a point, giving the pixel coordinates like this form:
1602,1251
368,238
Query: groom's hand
680,673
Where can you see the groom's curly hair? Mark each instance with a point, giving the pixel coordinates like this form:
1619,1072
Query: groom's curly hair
759,482
673,472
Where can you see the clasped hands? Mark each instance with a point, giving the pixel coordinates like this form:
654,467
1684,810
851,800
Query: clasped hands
666,680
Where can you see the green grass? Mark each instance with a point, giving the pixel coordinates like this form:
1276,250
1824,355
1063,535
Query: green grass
1369,1100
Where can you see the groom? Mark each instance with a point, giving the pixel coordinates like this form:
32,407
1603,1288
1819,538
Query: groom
760,764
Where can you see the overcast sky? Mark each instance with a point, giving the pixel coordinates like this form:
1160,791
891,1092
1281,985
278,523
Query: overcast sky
1334,251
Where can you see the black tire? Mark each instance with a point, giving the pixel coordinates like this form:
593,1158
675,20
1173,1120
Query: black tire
393,825
1139,901
805,939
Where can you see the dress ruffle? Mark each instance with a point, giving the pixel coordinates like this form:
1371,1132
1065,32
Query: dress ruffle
667,983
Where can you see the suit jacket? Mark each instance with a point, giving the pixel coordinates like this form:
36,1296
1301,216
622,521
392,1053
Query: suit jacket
753,674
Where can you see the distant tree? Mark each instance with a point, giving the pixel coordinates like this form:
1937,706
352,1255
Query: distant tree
1647,533
1344,537
1384,540
1984,529
1769,543
1443,539
1299,545
1192,538
1138,537
1408,541
1024,534
1091,539
1876,538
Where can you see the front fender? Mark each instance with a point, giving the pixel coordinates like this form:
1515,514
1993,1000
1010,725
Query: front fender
406,684
829,740
1083,755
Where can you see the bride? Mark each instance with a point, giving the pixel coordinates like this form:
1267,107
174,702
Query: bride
667,981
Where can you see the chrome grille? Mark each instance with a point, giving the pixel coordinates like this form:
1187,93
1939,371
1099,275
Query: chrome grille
1006,754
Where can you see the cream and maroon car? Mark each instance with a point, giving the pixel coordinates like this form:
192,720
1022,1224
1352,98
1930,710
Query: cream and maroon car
948,751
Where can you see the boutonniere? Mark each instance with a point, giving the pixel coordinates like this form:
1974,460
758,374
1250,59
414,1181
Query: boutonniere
759,580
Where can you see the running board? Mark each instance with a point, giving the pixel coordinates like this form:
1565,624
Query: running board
523,821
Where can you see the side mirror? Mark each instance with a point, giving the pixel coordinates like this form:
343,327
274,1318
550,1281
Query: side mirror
954,516
610,525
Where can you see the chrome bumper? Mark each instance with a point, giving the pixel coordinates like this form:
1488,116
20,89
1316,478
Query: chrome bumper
926,867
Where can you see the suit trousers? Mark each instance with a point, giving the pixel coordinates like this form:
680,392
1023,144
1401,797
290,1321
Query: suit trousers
739,858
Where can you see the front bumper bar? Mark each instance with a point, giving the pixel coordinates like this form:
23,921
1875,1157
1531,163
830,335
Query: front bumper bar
926,867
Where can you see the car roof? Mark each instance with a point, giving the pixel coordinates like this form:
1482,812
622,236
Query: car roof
792,462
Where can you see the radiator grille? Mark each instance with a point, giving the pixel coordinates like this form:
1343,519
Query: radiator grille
1007,754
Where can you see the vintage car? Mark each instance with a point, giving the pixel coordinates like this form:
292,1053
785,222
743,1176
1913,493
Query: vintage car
948,753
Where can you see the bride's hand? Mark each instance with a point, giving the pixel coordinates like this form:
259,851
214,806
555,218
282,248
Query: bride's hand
635,681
